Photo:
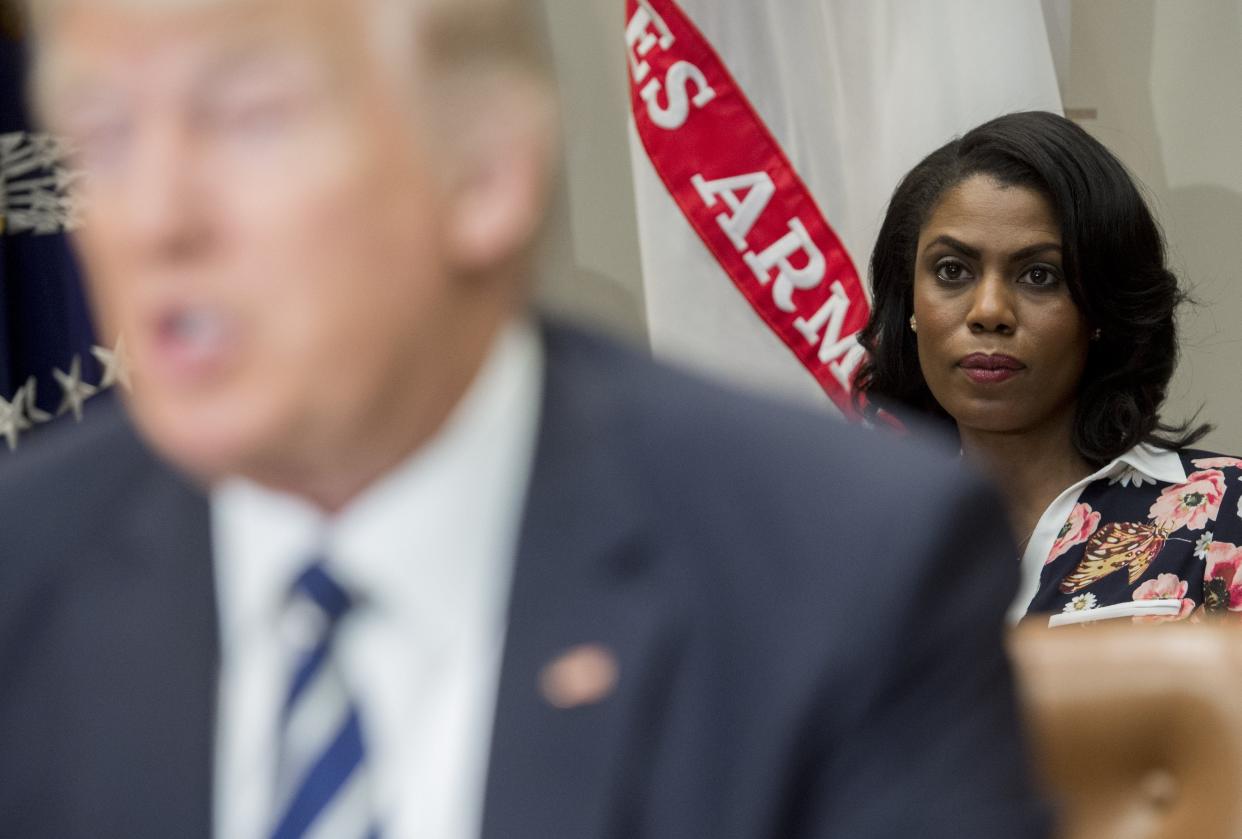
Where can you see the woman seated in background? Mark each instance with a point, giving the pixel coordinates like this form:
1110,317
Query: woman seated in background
1021,292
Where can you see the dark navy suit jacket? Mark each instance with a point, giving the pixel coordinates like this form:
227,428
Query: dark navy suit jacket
807,621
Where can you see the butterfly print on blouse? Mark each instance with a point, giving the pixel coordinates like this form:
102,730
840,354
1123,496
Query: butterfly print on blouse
1115,546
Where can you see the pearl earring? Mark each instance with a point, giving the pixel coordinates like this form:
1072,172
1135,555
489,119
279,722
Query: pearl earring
914,324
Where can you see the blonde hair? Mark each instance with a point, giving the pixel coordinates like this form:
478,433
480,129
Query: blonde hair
450,33
457,33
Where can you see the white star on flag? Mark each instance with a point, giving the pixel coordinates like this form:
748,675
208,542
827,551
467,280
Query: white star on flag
11,419
115,362
28,397
76,391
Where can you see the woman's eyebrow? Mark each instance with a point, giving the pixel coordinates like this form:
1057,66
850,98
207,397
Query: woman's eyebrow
1033,250
957,245
974,253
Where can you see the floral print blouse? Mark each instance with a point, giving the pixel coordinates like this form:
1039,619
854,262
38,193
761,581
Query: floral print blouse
1131,536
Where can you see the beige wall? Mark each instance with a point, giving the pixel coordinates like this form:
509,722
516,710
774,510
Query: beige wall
1165,77
592,265
1165,80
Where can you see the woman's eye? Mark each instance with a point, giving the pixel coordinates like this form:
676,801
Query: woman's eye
951,271
1041,276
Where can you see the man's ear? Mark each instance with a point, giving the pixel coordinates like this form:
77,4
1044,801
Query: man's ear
503,151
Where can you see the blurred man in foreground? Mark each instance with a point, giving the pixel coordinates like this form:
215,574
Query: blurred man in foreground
383,553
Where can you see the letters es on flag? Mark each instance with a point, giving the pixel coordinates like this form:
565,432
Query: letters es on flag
743,197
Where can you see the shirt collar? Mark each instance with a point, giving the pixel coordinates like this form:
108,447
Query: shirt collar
431,542
1159,464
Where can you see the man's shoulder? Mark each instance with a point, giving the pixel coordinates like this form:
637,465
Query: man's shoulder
70,454
689,423
748,494
67,484
785,526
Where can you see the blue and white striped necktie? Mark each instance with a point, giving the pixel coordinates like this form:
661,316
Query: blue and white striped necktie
321,784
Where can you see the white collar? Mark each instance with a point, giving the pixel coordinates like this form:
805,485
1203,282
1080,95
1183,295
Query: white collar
431,541
1163,465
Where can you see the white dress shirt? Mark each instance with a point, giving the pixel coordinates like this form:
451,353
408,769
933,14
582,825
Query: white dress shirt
1143,462
429,551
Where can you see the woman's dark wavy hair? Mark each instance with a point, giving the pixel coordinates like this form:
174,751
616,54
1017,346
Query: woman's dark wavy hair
1114,262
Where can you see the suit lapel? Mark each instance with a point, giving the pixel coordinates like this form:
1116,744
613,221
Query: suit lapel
145,625
585,581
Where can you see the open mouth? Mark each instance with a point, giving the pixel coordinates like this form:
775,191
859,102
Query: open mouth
193,341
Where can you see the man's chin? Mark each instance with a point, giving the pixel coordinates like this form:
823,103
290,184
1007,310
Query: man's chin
207,446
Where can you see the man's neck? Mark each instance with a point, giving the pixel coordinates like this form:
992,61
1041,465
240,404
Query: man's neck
335,474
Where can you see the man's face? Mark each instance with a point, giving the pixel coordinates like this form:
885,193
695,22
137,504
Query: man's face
263,223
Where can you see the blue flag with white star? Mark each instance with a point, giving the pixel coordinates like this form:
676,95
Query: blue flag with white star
49,363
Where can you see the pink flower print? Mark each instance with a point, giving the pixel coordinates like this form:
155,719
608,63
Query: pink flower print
1192,504
1164,587
1077,529
1218,462
1222,578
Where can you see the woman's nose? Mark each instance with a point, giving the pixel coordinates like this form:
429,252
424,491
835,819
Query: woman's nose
991,308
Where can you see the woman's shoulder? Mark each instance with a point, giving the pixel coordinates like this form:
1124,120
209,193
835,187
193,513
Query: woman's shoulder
1168,489
1171,489
1218,478
1200,459
1157,468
